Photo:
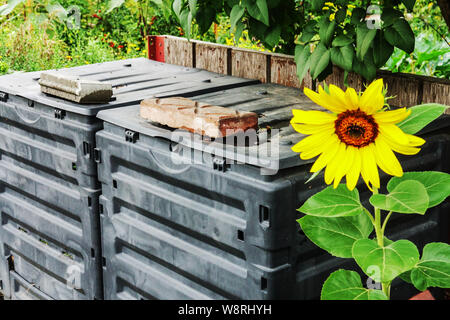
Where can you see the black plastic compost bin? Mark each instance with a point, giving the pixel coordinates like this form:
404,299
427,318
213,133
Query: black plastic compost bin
49,233
211,229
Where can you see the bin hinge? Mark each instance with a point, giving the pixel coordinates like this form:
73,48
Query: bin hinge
131,136
60,114
97,155
219,164
3,97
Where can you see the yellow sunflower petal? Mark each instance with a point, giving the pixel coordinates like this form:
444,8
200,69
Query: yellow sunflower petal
312,117
372,99
352,99
338,96
408,150
415,141
332,167
386,159
369,167
344,166
394,133
323,100
327,155
394,116
313,141
355,170
312,128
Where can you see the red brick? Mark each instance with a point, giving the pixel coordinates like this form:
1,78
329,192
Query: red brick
198,117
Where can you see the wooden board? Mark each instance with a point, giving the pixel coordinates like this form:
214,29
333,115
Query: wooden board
213,57
437,93
250,64
179,51
283,70
405,88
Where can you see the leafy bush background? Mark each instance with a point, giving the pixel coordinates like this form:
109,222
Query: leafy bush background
33,37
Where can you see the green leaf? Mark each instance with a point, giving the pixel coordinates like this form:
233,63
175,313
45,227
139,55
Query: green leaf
400,35
236,15
408,196
336,235
433,269
306,36
262,5
389,16
193,7
409,4
437,184
406,276
384,264
186,22
205,17
303,60
382,50
341,41
332,203
320,59
273,37
421,116
340,15
177,6
255,11
357,15
317,4
343,57
366,68
364,39
347,285
239,29
326,30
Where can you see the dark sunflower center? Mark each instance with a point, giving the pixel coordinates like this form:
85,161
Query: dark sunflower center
356,128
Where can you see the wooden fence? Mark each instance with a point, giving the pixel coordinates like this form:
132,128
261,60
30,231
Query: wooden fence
408,89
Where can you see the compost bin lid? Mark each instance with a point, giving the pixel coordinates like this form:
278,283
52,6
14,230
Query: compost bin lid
273,104
133,80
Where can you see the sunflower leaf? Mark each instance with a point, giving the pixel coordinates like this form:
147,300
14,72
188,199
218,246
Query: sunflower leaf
409,196
337,235
384,264
347,285
421,116
433,269
332,203
437,184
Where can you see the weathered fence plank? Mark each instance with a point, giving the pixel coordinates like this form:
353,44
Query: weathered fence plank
179,51
213,57
250,64
407,89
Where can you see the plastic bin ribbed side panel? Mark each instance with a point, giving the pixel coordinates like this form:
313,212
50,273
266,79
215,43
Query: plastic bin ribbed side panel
23,290
48,170
49,233
228,232
60,147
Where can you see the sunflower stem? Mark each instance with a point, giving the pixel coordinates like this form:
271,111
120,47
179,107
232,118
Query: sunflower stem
379,231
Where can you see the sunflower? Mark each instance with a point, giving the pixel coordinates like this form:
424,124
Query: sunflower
356,137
